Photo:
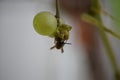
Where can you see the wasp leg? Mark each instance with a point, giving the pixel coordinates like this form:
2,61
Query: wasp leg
53,47
55,41
62,50
67,43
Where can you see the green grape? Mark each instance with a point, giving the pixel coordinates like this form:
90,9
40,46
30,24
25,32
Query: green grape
45,23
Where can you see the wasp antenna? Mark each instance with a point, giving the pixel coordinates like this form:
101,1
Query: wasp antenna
68,43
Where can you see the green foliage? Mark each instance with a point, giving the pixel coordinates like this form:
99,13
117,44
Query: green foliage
115,7
93,17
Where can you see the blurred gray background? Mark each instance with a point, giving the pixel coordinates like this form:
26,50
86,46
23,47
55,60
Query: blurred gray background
25,55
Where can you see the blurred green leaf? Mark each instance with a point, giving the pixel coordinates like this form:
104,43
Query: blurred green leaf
115,7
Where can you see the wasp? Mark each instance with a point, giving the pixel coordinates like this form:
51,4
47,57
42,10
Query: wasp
61,37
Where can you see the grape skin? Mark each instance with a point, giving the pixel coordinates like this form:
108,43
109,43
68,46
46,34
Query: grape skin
45,23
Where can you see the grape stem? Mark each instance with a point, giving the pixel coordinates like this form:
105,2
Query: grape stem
57,13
